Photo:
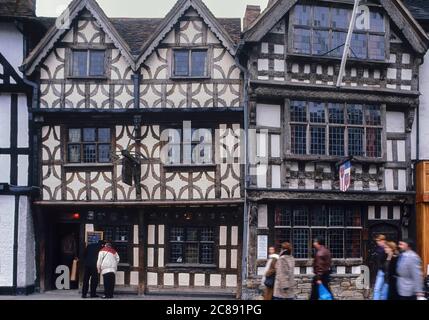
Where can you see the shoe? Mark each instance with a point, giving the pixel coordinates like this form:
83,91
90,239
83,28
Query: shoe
104,297
84,297
95,296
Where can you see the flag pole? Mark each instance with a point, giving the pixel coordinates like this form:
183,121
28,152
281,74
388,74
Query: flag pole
347,45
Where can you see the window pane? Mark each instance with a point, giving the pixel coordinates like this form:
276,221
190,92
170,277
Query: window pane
320,234
299,139
355,114
318,141
122,250
300,216
74,135
353,244
320,42
192,234
302,15
336,113
74,153
80,63
317,112
321,16
336,141
359,46
176,253
377,22
283,216
337,43
89,153
373,115
191,253
336,243
353,217
376,47
280,236
373,142
341,18
207,234
89,135
199,63
104,153
301,41
207,253
336,217
356,141
104,135
301,243
319,216
122,233
177,234
96,63
298,111
181,63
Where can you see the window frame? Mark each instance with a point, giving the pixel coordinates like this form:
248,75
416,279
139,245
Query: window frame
88,63
128,243
207,74
345,125
97,143
183,243
331,30
312,228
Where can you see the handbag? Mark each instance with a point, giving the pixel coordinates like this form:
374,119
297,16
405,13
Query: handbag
324,294
269,281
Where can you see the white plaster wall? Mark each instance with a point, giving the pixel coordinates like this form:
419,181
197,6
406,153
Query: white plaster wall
11,45
7,222
5,111
26,246
424,109
22,122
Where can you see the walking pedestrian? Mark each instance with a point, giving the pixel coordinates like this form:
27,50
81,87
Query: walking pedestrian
380,258
270,274
91,272
322,268
285,276
390,288
410,275
107,266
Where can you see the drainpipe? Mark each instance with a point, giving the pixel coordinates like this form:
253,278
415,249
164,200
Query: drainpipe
245,242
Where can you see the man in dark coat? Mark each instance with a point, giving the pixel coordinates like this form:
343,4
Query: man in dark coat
321,268
91,272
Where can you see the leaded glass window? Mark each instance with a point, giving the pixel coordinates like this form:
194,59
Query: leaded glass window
190,63
89,145
339,226
88,63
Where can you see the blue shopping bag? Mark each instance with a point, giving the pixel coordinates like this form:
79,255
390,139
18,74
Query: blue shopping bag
324,294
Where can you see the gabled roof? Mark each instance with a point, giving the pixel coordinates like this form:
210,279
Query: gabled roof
17,8
9,76
396,10
173,17
55,33
137,31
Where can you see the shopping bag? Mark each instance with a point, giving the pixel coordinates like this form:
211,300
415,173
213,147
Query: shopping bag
324,294
73,276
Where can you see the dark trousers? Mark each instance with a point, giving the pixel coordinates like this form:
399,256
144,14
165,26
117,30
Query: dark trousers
91,274
109,284
315,287
408,298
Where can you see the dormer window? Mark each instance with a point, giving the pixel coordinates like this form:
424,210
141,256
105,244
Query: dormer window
322,31
88,63
190,63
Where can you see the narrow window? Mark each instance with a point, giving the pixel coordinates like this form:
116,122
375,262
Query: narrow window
190,63
88,63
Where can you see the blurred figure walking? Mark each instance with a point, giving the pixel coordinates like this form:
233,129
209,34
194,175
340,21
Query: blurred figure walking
270,274
322,268
285,275
380,258
410,275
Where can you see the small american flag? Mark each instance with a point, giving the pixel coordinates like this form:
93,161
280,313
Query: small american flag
345,176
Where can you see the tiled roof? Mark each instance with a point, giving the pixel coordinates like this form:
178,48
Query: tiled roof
17,8
418,8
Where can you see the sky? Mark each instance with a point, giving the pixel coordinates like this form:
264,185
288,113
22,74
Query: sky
150,8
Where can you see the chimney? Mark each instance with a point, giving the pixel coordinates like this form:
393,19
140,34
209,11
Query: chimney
252,13
18,8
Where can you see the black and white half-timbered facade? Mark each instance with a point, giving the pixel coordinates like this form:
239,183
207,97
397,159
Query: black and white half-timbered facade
18,31
168,94
304,126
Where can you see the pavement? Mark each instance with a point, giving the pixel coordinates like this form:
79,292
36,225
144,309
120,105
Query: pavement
70,295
